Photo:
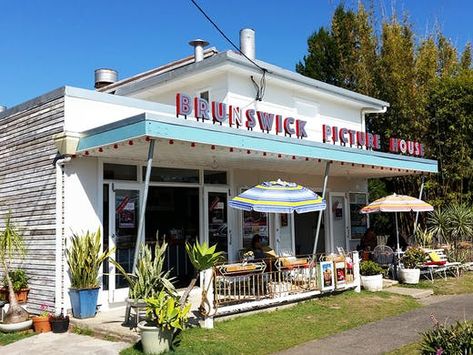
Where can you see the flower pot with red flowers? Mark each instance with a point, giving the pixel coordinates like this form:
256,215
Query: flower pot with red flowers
41,322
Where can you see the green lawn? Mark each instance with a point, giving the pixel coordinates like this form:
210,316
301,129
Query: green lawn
7,338
272,331
409,349
450,286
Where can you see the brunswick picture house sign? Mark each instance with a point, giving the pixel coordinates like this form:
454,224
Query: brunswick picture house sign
218,112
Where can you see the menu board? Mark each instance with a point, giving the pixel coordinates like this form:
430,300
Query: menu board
359,222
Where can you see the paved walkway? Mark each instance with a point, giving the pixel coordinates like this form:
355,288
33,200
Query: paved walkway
393,332
60,344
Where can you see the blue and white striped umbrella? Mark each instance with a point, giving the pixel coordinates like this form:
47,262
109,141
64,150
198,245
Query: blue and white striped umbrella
278,197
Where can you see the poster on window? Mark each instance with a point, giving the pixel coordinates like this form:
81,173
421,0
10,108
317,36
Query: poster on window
326,275
127,215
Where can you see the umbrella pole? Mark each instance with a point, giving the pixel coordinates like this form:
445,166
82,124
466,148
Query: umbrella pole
397,232
319,221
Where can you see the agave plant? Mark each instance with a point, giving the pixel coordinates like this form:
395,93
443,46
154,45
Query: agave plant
438,221
85,258
149,277
202,258
12,244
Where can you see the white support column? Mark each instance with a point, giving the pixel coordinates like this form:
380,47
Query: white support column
319,221
356,271
141,227
208,285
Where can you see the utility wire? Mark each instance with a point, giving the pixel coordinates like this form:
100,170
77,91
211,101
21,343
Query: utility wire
228,39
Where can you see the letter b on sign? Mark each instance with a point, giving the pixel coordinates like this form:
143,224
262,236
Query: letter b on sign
183,105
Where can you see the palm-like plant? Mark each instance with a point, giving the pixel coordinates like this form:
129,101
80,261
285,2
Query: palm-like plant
149,277
202,258
85,258
438,221
12,244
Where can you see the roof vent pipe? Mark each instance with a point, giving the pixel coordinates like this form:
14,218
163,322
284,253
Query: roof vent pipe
3,108
247,42
104,77
198,45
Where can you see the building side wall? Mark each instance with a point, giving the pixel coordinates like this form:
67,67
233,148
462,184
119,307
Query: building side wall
28,190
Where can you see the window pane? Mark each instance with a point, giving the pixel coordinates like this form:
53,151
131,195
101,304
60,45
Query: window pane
119,172
173,175
215,177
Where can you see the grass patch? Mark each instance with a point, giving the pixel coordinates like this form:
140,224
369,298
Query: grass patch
81,330
288,327
409,349
450,286
8,338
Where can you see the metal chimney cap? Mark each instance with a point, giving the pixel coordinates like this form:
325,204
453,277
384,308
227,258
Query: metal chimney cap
104,77
198,42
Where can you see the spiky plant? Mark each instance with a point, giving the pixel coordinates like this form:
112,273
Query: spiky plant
11,245
85,257
149,277
202,258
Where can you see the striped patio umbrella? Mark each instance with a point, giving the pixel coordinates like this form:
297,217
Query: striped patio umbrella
278,197
397,203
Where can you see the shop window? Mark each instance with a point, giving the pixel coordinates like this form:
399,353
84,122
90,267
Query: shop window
215,177
190,176
359,222
205,95
119,172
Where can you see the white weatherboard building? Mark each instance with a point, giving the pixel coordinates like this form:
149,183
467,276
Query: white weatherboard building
74,160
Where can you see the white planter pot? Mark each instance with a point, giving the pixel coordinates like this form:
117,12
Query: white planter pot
372,283
15,327
409,276
154,340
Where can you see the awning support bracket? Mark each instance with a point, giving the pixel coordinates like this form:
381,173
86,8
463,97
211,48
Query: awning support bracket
140,235
319,221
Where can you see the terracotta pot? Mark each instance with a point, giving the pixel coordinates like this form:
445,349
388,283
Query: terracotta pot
41,324
21,296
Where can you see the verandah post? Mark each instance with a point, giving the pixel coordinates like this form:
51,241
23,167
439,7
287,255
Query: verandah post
140,235
319,221
356,271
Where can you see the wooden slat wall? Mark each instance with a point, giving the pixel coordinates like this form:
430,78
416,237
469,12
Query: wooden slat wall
28,189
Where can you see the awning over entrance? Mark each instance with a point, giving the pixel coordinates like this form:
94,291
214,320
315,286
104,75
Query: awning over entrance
198,143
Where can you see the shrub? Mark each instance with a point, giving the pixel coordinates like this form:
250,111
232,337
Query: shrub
413,257
18,278
454,339
370,268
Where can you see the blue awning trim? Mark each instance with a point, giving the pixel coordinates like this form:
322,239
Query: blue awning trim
166,127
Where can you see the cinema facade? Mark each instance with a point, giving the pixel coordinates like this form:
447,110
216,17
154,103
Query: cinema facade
74,160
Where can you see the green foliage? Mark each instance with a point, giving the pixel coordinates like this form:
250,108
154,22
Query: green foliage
413,257
443,339
11,241
370,268
18,278
438,224
202,256
424,238
150,276
85,258
164,312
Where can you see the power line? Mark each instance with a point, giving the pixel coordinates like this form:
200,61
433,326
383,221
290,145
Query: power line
226,37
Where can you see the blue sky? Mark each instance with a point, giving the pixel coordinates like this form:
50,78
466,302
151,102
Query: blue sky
50,43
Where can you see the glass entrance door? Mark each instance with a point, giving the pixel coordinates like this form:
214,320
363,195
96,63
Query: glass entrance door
124,218
338,221
216,218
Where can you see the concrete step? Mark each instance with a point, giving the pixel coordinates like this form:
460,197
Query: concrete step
416,293
389,283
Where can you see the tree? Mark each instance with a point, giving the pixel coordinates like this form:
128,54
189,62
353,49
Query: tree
465,60
11,245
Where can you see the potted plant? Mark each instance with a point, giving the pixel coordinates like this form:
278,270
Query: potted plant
412,258
163,317
19,280
371,276
84,258
59,323
12,244
148,279
41,322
